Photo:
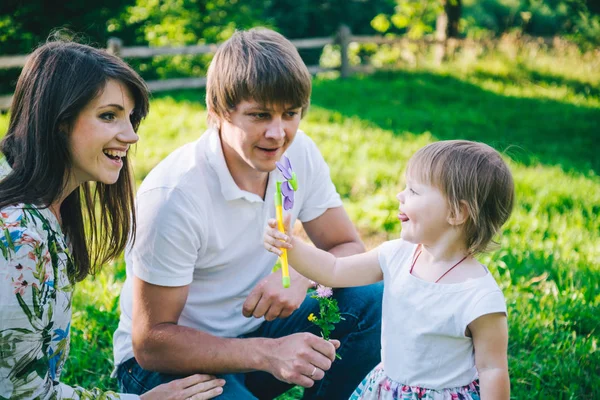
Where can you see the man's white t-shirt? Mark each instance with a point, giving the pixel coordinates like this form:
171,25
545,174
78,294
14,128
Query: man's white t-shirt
423,324
196,227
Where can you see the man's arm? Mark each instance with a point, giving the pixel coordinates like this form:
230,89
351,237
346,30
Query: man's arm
333,231
159,344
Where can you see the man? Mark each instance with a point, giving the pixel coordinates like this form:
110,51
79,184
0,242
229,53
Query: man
199,294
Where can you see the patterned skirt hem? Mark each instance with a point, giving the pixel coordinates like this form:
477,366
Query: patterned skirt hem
378,386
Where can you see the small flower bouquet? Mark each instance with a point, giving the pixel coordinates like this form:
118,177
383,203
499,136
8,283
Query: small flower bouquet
329,312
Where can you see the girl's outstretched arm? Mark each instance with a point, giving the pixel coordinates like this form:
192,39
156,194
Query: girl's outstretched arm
321,266
490,339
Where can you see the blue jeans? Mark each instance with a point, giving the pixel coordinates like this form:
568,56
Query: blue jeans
359,334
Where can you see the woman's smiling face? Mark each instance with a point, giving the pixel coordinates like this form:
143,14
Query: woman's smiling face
101,136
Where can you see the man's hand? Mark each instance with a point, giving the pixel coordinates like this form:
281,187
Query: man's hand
301,358
270,299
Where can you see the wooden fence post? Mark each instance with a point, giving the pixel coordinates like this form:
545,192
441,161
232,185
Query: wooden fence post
441,38
114,46
344,37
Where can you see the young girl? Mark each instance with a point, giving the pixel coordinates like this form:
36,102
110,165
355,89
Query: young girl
444,330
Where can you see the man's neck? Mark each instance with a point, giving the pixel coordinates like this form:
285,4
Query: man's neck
246,178
257,183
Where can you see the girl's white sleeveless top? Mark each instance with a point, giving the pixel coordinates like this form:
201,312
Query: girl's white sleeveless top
424,323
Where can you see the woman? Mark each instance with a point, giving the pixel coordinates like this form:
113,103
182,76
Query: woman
66,208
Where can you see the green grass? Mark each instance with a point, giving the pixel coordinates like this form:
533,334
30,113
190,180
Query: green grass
542,112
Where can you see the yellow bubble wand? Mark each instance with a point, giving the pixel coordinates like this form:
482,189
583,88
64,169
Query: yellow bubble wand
284,199
285,270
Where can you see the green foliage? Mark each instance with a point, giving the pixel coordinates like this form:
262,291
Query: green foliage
95,318
180,23
175,23
308,18
26,25
542,110
329,314
577,19
29,23
23,26
415,17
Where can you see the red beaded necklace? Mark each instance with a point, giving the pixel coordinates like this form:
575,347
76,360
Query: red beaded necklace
445,273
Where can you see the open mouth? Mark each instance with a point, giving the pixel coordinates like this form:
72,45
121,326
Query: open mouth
403,217
115,155
269,150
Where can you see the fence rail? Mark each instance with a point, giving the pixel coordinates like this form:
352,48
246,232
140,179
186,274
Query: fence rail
115,46
343,38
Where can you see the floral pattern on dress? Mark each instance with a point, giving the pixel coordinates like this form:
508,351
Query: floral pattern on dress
378,386
35,306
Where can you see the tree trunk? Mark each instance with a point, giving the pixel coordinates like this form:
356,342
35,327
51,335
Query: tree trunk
446,27
453,10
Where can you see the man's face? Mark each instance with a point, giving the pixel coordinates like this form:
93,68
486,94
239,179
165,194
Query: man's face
257,135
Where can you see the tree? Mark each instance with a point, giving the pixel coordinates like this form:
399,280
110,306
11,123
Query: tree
447,25
26,25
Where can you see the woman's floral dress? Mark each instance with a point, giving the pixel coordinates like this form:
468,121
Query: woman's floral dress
35,306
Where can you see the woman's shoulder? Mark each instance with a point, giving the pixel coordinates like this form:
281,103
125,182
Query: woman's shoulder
13,216
19,220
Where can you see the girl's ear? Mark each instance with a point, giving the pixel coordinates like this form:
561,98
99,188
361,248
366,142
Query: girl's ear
459,216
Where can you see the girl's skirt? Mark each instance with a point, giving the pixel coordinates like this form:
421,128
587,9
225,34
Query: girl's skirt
377,386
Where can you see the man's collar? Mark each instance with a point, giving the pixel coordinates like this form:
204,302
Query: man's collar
216,159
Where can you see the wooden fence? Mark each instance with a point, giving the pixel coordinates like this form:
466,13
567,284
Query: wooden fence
343,38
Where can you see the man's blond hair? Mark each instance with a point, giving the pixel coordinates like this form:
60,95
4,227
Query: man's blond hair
259,65
473,174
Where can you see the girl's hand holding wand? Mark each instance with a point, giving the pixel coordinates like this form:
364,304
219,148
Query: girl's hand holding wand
274,239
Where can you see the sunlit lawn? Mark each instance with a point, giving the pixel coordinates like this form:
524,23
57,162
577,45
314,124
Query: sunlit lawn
543,112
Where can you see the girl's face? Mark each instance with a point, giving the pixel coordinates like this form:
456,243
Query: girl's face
101,136
424,213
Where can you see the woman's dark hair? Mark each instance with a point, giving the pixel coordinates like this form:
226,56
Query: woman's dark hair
58,80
